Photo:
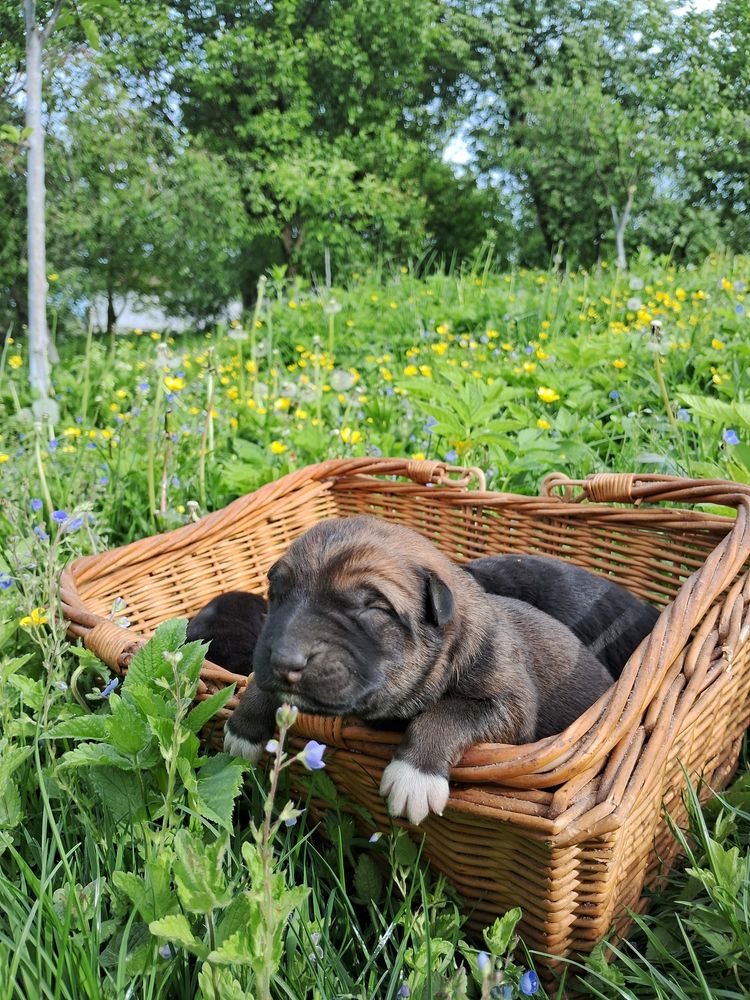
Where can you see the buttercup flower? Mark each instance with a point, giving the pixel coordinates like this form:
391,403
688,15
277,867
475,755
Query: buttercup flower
15,361
37,617
547,395
277,448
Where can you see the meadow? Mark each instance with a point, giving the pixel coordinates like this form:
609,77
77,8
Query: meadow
168,877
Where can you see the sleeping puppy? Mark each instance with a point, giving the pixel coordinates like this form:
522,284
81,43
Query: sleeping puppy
369,618
231,624
607,618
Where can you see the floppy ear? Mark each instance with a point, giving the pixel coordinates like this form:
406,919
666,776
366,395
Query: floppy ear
440,603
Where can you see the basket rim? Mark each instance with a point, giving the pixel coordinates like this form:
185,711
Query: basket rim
611,724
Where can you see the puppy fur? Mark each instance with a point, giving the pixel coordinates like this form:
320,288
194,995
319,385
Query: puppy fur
607,618
231,624
369,618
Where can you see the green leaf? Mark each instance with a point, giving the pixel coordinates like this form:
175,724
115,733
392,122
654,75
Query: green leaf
152,895
121,793
219,783
176,929
207,708
148,664
98,753
91,32
127,729
368,880
500,934
199,873
220,984
83,727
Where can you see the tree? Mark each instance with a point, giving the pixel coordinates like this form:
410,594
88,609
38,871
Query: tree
137,210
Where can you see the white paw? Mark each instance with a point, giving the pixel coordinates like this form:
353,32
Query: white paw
412,793
240,747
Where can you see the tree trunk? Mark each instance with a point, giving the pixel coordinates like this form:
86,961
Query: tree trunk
111,314
39,342
621,224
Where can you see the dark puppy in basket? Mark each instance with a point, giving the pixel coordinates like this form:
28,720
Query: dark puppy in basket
607,618
369,618
231,624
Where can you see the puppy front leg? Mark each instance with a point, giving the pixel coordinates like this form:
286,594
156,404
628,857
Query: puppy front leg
252,724
416,780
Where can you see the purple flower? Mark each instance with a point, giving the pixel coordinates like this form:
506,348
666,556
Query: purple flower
528,349
730,437
375,837
167,951
388,390
292,821
5,581
312,755
272,746
451,456
61,686
483,962
114,683
41,533
431,421
52,444
739,309
403,990
143,386
103,480
75,524
529,983
683,415
59,516
36,504
176,482
614,394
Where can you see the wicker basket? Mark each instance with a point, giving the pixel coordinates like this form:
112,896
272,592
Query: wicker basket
571,828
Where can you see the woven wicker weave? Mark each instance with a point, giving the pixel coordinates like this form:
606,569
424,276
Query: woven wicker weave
570,828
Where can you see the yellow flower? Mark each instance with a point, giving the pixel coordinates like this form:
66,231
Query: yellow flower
442,329
726,284
418,457
393,305
545,324
154,335
282,403
529,366
619,363
4,457
174,383
292,304
374,298
547,395
301,414
386,374
440,348
72,432
718,345
350,323
541,354
350,436
410,370
37,617
426,371
278,448
15,361
53,277
543,425
180,508
506,346
137,331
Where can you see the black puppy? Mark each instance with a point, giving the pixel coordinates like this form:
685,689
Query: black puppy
231,623
607,618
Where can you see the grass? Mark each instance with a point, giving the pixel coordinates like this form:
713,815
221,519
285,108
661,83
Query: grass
520,374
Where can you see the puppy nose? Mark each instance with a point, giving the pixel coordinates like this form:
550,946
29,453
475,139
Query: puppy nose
289,664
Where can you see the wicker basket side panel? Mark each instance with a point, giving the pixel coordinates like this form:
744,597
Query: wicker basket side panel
650,559
177,584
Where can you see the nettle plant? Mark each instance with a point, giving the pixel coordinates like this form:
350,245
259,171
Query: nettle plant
142,758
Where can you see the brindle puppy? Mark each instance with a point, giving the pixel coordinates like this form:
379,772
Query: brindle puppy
231,624
369,618
607,618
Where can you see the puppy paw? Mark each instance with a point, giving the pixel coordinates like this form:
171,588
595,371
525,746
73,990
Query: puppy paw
238,746
412,793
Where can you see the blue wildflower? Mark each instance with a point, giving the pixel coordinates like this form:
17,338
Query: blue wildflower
52,445
528,349
41,533
614,394
375,837
403,990
483,962
388,390
484,339
103,480
739,309
176,482
430,423
111,686
507,993
143,386
451,456
59,516
36,504
312,755
272,746
292,821
683,415
75,524
61,686
167,951
730,437
529,983
5,581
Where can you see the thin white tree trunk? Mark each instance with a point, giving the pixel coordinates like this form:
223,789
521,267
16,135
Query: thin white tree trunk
39,340
621,224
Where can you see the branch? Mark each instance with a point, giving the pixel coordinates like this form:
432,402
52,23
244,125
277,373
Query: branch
52,21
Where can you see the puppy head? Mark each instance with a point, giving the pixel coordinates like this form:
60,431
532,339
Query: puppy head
359,614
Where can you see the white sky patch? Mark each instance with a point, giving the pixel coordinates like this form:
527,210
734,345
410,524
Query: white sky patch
457,152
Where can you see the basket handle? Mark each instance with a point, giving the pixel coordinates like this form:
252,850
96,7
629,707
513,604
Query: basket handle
622,487
421,471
